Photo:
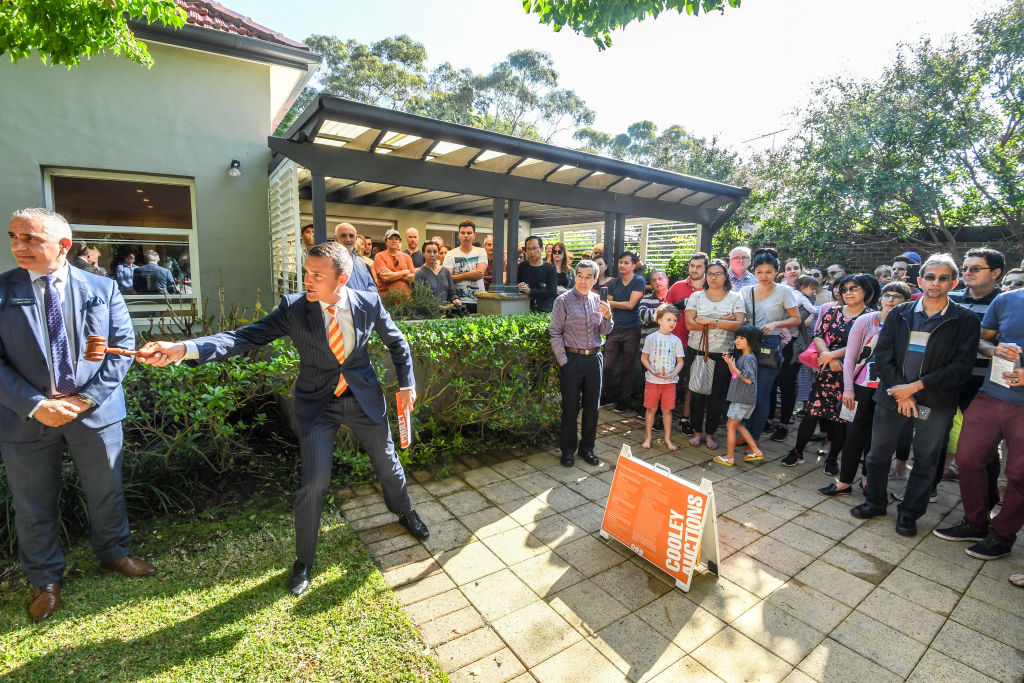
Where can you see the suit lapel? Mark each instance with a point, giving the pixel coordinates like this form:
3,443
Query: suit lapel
317,328
22,289
355,305
79,296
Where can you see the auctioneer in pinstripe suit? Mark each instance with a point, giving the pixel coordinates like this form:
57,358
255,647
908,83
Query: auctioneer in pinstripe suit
330,326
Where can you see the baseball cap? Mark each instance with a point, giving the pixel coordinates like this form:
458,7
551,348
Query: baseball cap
391,233
913,256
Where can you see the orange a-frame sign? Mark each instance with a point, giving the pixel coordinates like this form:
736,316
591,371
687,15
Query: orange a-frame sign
664,519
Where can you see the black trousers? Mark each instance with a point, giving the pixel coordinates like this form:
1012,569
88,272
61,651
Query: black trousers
836,430
621,348
581,375
785,384
858,434
706,409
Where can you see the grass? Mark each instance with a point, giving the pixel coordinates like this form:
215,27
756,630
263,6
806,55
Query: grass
218,610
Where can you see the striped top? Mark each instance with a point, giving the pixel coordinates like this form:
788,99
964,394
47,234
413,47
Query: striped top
978,307
921,328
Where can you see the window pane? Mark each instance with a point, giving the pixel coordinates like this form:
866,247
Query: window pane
97,201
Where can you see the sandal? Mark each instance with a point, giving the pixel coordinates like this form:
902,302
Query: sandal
720,459
1017,580
710,443
756,455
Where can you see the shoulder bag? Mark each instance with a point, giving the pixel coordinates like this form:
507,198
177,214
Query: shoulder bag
702,371
769,355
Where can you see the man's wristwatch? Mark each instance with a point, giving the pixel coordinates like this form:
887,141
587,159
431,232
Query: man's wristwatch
88,401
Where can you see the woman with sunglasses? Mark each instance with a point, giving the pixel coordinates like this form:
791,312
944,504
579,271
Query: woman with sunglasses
859,293
561,259
860,383
1014,279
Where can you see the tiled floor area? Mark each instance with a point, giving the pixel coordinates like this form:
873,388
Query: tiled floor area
516,584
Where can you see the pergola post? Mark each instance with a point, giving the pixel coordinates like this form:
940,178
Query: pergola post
620,239
319,189
513,242
704,243
498,233
609,235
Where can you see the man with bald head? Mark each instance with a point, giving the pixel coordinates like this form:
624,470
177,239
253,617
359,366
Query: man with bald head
345,235
53,400
412,238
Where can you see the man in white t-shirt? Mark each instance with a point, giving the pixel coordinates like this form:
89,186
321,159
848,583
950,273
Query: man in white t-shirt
467,264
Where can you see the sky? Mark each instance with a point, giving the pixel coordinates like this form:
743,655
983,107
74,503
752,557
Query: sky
739,75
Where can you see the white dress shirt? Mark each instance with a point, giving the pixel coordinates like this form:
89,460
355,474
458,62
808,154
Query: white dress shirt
60,284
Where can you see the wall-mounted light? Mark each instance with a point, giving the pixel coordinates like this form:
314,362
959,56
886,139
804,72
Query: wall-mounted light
236,168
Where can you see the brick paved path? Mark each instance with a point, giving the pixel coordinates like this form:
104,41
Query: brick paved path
515,583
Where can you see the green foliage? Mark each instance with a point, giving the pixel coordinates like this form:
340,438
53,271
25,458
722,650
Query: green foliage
64,31
596,19
420,303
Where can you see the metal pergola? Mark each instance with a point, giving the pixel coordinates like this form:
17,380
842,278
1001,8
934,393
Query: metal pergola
361,154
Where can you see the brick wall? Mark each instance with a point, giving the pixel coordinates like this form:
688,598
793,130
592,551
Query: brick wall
866,256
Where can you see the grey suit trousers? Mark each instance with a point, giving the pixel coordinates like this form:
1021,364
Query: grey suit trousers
316,453
33,475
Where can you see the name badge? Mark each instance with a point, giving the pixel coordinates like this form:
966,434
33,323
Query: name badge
31,301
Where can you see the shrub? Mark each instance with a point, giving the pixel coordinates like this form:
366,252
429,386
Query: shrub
420,303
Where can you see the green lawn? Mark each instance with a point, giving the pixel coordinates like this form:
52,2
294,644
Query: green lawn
218,610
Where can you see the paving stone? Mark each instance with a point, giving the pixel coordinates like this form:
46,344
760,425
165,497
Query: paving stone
544,460
527,510
780,507
555,530
686,669
412,571
371,522
737,489
592,488
748,573
881,644
841,511
831,661
843,586
936,667
732,656
437,606
561,498
779,632
586,607
567,475
546,573
720,596
589,555
634,649
812,607
587,517
425,588
876,546
580,663
444,487
735,534
504,491
980,652
535,482
631,585
994,622
390,545
498,594
497,667
723,504
948,574
803,539
469,562
467,649
859,563
536,632
450,626
755,518
488,522
921,591
433,512
382,533
884,527
403,557
681,621
798,676
515,545
357,502
949,551
998,593
464,503
512,468
757,477
778,555
800,496
906,617
446,536
1004,566
826,525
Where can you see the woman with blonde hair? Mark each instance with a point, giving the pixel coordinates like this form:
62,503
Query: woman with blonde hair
561,259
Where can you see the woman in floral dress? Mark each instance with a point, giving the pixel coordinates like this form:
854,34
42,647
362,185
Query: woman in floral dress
859,293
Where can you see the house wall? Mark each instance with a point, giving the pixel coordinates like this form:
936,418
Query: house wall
866,257
189,115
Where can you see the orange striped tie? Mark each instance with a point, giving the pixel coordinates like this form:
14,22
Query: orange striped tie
337,346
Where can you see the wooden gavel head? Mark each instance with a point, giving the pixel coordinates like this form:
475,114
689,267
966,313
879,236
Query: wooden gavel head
96,348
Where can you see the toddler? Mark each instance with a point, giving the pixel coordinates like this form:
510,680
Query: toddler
662,357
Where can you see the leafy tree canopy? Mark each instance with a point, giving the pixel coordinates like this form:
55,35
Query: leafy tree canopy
64,31
596,19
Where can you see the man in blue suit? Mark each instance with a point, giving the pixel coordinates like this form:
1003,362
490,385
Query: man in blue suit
153,278
52,400
345,235
330,326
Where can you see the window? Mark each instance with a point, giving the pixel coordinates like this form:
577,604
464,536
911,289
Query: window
665,240
120,222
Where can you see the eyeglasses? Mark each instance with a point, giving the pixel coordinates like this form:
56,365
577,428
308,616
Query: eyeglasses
932,277
851,288
892,296
557,251
1013,284
974,269
715,273
836,272
739,258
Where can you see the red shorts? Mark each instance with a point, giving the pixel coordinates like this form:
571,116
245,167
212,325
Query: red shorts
659,393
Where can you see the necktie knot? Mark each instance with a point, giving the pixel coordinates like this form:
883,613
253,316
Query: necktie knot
49,279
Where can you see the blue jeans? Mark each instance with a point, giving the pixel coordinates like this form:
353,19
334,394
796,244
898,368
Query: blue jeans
765,384
929,436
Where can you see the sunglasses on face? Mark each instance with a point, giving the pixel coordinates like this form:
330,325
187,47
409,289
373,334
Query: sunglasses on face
931,277
892,297
557,251
974,269
1013,284
851,288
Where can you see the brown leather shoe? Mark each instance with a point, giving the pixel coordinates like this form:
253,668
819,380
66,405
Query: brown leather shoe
129,565
45,601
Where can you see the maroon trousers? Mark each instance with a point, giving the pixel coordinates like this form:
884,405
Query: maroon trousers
987,422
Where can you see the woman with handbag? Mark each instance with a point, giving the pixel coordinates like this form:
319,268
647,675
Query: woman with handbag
859,294
769,307
712,316
859,385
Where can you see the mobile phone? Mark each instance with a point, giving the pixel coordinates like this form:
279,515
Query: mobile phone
913,272
604,294
923,412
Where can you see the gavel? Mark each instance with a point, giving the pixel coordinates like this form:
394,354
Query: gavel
96,347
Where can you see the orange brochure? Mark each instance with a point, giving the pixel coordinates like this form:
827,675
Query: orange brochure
662,518
404,420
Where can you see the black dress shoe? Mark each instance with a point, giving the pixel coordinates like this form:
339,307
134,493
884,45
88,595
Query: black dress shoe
590,458
298,582
568,460
411,521
905,526
866,511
